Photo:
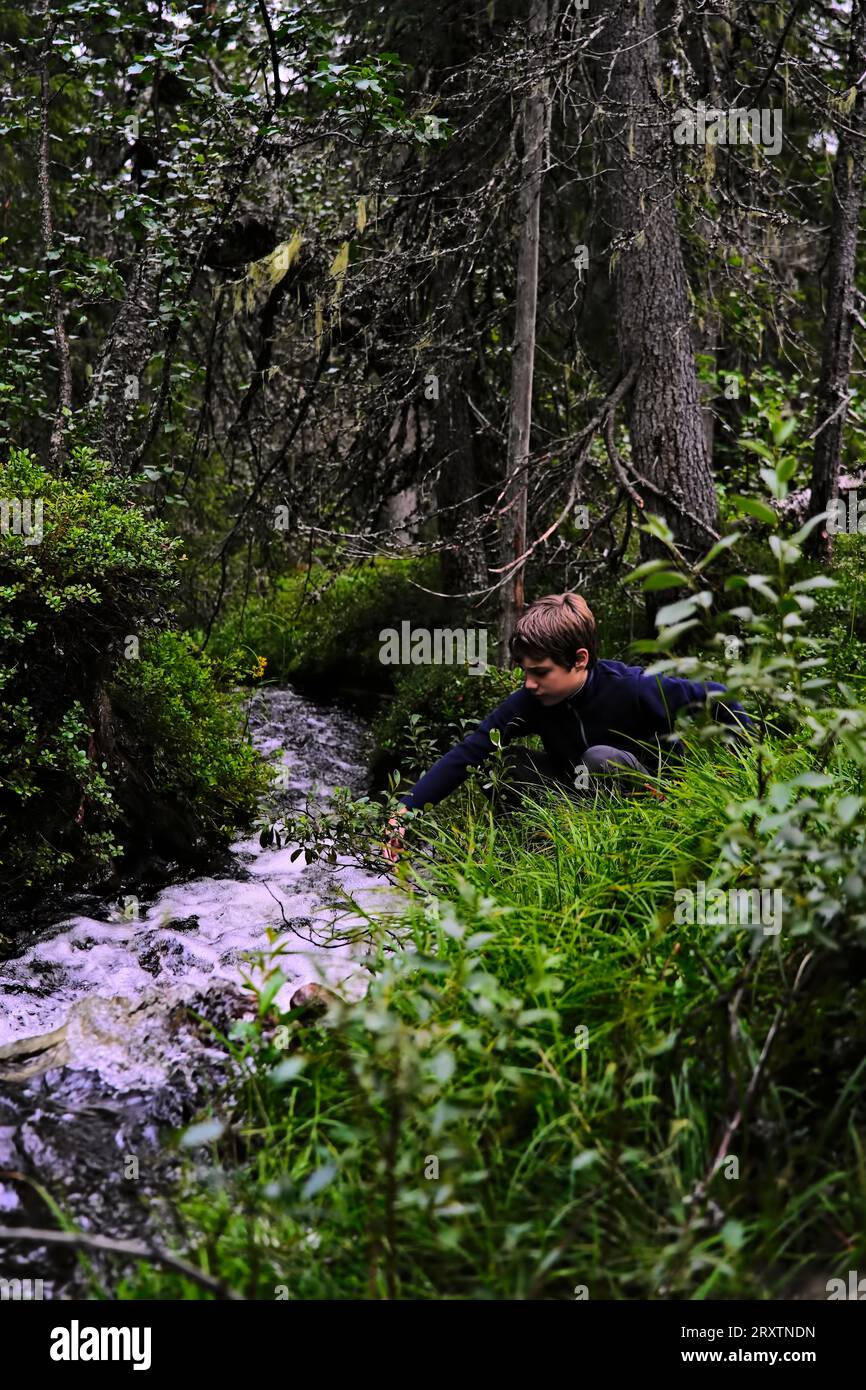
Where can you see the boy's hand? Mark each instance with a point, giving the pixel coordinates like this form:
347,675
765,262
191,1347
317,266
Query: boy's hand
660,796
394,847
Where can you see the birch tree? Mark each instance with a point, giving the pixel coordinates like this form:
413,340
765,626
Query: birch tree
536,124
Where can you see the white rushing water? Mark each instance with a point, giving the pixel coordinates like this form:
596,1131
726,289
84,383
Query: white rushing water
208,930
130,997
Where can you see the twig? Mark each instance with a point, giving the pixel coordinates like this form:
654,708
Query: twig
136,1249
736,1120
275,61
840,407
618,469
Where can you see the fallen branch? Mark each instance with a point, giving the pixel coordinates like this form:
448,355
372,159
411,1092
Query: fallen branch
135,1249
699,1191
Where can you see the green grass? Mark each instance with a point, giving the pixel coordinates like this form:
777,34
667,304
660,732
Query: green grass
561,1170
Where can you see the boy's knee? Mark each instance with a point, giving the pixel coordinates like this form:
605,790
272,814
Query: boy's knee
602,757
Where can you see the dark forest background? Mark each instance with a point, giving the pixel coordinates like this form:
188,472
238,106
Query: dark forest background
318,319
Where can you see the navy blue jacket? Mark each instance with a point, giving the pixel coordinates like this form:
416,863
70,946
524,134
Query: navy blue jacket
617,704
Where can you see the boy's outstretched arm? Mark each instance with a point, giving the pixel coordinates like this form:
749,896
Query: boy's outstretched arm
512,718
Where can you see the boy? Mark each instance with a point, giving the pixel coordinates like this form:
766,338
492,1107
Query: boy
593,716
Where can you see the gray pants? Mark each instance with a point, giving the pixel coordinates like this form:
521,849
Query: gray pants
529,773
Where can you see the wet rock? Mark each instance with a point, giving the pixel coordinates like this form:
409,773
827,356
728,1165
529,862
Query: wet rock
91,1118
110,1019
315,999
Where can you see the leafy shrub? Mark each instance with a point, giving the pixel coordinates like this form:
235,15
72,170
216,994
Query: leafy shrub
99,572
184,710
559,1083
321,627
76,596
447,700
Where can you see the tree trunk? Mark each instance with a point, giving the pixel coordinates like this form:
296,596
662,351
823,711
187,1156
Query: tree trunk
536,122
123,357
463,568
669,457
57,447
832,406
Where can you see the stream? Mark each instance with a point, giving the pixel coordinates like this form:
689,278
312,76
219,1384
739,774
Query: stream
116,1058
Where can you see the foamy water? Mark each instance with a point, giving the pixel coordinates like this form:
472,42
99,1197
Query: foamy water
129,1064
207,930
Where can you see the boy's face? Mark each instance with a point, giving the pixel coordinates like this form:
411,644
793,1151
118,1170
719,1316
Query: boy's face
551,683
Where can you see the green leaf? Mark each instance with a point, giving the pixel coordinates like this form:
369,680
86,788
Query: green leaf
271,990
669,636
817,581
717,549
664,579
758,582
648,567
584,1160
811,779
784,551
808,527
205,1133
755,446
318,1181
288,1070
658,527
848,808
752,507
733,1234
772,482
675,612
443,1065
786,469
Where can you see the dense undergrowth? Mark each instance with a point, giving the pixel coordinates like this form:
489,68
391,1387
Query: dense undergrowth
562,1083
531,1099
116,735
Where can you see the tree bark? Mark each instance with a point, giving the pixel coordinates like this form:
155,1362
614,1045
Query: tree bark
832,406
669,453
536,124
123,357
463,565
56,448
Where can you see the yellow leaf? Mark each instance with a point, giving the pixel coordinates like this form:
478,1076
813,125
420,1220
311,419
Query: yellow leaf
318,324
361,219
338,268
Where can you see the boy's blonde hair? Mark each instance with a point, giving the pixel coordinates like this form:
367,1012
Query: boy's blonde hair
555,626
